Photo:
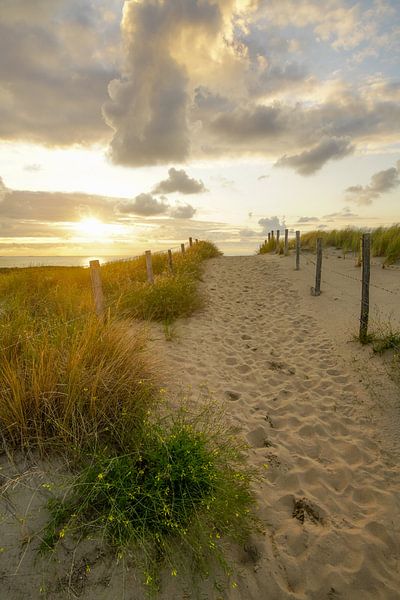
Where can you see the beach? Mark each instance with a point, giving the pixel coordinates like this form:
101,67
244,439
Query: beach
320,415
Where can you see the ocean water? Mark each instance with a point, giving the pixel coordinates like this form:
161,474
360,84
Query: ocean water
57,261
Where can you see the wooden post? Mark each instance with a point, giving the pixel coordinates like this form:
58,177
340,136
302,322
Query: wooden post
297,250
149,267
317,290
196,240
286,242
272,235
278,233
170,263
97,288
269,237
366,270
183,248
360,253
190,242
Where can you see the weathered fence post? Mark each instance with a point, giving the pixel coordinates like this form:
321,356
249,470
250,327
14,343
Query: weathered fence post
286,242
196,240
317,290
190,242
170,261
297,250
366,270
278,233
149,267
269,237
360,253
272,235
183,248
97,288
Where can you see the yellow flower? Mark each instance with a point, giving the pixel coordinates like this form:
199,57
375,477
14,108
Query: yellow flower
62,533
100,476
173,573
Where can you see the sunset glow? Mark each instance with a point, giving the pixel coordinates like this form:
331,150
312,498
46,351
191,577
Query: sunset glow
139,124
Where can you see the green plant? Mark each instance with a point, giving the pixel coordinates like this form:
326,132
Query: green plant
173,501
267,247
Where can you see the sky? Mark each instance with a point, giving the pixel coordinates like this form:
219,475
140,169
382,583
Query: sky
132,125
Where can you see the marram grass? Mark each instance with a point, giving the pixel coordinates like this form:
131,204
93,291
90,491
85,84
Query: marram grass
65,377
157,486
385,241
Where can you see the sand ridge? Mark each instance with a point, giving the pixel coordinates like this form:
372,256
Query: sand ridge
330,499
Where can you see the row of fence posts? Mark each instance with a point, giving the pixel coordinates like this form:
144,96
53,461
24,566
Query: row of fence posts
316,290
271,236
97,286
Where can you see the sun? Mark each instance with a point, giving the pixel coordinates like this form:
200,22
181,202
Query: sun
91,227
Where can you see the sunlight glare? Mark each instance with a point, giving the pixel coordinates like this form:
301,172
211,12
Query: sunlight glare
91,227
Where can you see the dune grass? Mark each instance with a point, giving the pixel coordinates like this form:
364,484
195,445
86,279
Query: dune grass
64,376
157,484
385,241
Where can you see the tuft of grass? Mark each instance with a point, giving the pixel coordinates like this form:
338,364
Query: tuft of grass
178,496
79,382
268,247
170,297
385,338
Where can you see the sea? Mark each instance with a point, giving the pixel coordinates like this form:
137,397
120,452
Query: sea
55,261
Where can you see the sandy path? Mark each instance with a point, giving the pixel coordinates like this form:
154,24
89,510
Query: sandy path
330,498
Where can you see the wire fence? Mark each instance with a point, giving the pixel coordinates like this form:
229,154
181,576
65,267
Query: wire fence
319,267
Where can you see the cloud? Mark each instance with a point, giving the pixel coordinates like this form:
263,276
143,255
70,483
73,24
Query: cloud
144,205
249,233
149,103
310,161
307,220
345,213
271,223
3,189
182,211
53,206
381,182
179,181
59,60
33,168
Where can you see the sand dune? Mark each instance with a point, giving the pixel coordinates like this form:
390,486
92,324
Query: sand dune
330,498
329,449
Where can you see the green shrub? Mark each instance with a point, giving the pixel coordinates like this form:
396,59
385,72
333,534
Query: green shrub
170,501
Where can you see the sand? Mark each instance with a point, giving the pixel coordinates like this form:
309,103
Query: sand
321,417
